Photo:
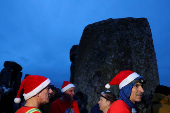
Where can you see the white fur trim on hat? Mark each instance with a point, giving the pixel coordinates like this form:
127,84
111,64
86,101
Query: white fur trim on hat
107,86
128,79
67,87
37,89
17,100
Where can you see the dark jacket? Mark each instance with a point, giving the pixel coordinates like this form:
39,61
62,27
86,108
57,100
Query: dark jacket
161,104
95,109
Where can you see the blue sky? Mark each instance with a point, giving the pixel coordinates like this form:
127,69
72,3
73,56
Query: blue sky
38,34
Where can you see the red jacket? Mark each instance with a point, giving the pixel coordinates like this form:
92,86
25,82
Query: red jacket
119,106
59,106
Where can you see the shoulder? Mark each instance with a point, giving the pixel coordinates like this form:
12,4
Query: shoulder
119,106
28,109
165,108
119,102
74,102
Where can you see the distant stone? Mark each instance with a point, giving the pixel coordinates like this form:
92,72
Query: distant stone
13,65
10,75
110,46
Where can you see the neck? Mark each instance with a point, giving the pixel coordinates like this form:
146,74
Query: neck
133,102
32,102
105,110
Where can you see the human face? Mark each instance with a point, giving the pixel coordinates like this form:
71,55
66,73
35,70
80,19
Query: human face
103,104
44,95
136,93
70,92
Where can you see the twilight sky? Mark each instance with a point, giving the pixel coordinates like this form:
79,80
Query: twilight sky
38,34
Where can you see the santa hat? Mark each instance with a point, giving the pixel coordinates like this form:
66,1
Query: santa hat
66,85
31,86
123,78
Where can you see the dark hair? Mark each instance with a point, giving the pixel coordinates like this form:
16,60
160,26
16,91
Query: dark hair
163,90
79,95
52,87
109,96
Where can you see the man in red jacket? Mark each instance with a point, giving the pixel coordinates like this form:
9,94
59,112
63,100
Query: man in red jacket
36,93
130,85
65,104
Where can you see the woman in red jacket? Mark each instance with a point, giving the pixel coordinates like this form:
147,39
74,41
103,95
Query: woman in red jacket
106,99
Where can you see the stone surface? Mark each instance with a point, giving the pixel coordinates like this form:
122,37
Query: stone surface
110,46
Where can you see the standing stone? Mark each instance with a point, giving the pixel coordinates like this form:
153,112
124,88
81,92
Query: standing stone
73,59
110,46
10,74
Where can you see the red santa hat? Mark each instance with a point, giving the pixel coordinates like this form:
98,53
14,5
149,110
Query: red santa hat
123,78
31,86
66,85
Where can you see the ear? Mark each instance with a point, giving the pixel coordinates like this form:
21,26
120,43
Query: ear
109,103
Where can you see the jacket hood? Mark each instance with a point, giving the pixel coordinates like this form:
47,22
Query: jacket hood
160,98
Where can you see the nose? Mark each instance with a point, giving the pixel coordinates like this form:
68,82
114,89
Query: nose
73,93
50,90
142,90
99,102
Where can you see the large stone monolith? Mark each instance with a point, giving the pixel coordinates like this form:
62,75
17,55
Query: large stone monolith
112,45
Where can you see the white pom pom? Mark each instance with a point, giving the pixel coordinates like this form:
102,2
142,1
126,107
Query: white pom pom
17,100
107,86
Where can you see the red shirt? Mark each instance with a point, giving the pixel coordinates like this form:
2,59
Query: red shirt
119,106
59,106
25,109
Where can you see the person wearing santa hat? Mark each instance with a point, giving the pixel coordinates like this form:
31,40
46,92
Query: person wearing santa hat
106,99
36,93
65,104
130,85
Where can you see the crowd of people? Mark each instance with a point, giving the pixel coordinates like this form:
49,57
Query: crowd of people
7,95
41,97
